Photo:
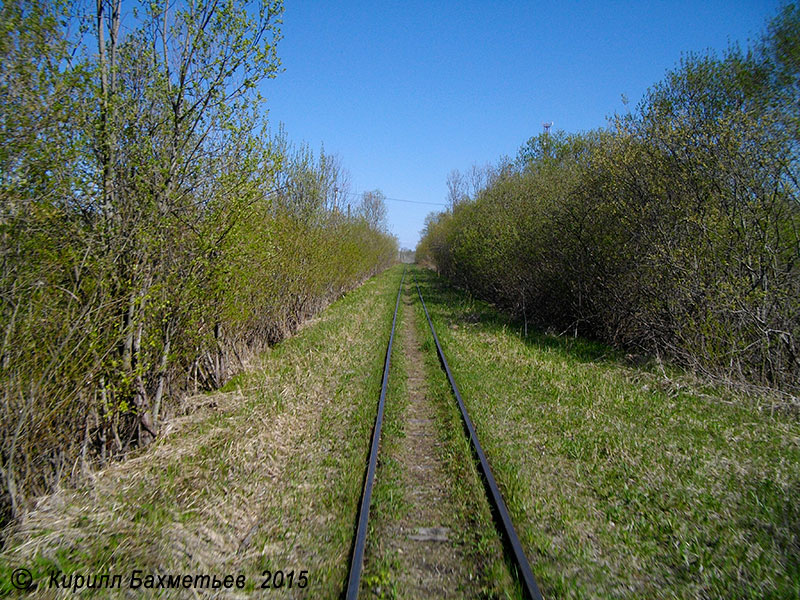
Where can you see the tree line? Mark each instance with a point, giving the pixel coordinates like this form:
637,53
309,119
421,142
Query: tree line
154,234
675,230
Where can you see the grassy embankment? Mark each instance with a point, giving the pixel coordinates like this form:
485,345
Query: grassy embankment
265,474
622,483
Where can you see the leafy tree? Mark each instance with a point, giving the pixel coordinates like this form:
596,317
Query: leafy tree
153,235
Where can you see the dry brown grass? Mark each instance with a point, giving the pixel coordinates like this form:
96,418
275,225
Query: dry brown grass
265,474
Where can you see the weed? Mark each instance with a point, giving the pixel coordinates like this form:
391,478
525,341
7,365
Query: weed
621,488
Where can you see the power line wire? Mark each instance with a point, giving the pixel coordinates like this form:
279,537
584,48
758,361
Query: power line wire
355,195
416,202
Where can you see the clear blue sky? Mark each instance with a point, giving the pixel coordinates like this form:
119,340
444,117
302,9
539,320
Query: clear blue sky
405,92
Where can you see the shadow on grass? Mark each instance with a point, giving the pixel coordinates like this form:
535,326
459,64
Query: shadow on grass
462,308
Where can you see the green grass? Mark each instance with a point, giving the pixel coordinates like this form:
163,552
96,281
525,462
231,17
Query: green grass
480,535
622,486
265,473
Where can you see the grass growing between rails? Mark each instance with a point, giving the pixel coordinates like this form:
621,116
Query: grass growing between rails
264,475
493,578
620,487
433,484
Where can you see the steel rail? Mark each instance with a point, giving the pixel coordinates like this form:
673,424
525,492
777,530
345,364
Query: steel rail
495,497
357,562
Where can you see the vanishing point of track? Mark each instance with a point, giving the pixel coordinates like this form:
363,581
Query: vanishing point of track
500,512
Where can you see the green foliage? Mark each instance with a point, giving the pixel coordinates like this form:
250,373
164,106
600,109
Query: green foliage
674,231
153,236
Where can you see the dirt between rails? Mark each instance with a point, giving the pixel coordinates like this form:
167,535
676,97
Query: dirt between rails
431,562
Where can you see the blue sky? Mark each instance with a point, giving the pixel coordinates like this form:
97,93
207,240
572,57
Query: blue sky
405,92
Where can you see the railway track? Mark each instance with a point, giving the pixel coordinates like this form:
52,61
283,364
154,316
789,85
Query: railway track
502,518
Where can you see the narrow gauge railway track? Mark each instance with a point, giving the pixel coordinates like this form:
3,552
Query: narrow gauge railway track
499,511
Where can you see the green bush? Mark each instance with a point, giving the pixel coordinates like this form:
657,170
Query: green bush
674,231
